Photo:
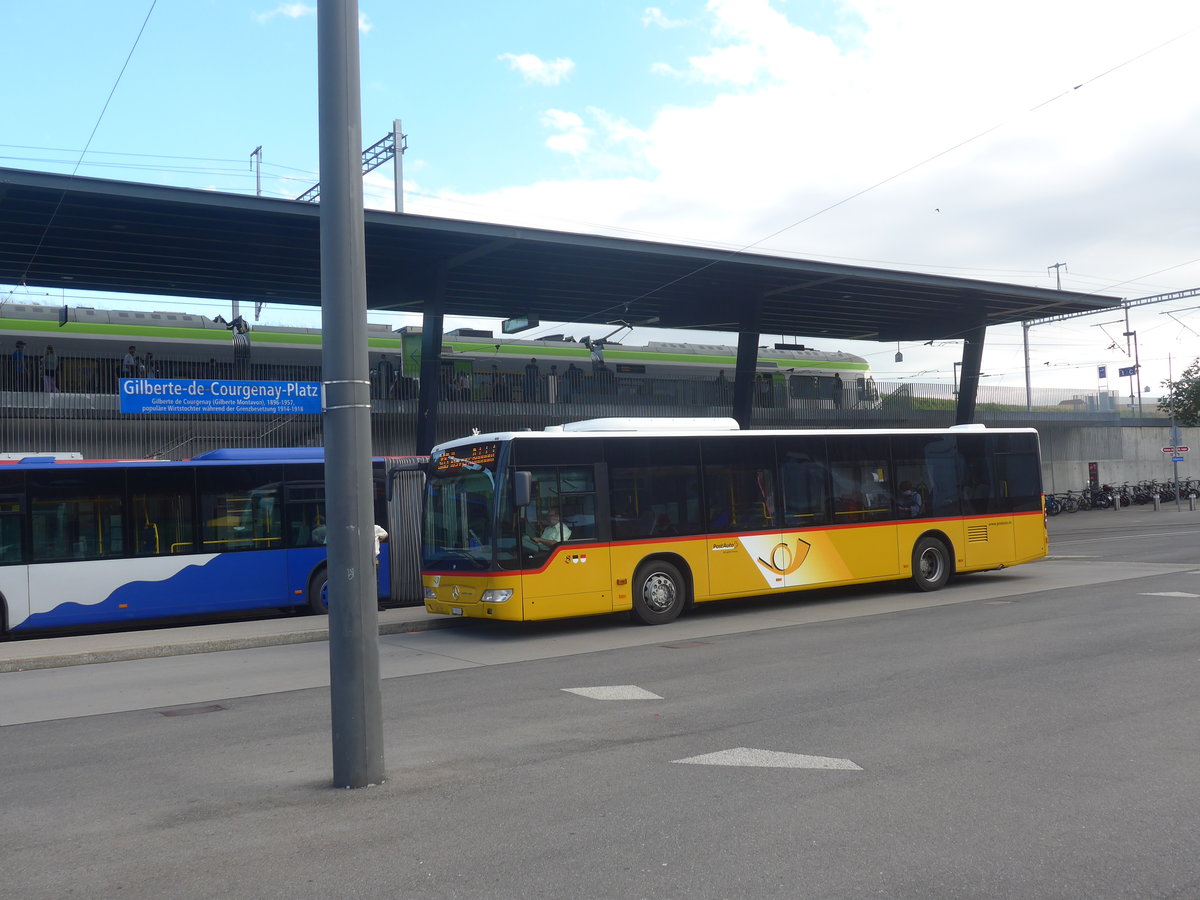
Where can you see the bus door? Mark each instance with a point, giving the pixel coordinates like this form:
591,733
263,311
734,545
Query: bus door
565,565
746,550
241,521
993,487
862,490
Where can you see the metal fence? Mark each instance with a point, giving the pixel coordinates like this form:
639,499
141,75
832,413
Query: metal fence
79,409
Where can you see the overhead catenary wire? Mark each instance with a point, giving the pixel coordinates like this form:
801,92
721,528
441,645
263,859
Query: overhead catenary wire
112,92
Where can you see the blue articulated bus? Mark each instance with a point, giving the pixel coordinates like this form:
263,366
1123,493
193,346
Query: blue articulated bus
89,542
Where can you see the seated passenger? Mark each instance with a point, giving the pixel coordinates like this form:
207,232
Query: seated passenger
909,502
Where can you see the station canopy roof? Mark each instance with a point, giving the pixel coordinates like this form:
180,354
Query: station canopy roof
65,231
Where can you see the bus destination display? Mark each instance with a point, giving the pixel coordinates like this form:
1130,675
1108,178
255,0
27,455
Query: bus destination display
476,456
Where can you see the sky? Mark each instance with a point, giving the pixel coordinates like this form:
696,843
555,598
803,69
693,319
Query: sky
988,141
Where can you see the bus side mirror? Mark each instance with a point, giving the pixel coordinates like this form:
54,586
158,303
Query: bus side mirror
522,489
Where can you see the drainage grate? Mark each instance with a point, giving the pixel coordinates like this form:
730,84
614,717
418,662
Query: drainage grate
191,710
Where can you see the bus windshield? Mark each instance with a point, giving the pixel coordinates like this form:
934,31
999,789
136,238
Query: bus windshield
459,514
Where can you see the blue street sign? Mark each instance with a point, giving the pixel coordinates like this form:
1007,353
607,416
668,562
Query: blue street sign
1177,459
1126,372
204,395
1104,371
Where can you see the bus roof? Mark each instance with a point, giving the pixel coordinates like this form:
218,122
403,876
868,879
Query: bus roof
714,427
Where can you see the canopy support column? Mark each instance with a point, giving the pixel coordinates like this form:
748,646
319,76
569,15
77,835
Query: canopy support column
968,386
747,364
432,326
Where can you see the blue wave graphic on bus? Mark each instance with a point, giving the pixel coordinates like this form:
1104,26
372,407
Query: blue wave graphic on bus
227,582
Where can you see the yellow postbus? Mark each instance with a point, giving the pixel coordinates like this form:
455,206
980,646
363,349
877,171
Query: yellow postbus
653,515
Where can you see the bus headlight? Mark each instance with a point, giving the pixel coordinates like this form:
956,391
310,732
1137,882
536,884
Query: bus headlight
430,593
498,595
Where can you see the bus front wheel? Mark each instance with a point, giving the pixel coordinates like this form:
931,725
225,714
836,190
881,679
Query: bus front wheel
930,564
659,593
318,593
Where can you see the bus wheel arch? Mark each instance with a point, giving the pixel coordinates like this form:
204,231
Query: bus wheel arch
662,589
318,590
932,561
4,632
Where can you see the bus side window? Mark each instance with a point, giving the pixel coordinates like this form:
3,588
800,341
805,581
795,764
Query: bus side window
12,534
161,510
739,478
238,508
861,474
803,477
77,514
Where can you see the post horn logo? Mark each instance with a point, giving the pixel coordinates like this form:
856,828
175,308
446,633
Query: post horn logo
784,560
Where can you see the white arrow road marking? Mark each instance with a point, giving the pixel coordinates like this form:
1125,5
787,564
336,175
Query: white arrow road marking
614,692
769,759
1169,594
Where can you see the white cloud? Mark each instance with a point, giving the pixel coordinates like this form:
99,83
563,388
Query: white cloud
655,16
299,10
914,136
537,71
287,10
573,136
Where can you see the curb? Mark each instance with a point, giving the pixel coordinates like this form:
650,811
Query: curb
211,645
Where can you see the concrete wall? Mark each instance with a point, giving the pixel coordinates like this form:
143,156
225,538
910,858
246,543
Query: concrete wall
1131,453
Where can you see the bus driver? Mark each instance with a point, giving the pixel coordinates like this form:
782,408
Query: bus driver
555,532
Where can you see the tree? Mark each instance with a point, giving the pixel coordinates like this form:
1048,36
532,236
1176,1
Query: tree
1183,396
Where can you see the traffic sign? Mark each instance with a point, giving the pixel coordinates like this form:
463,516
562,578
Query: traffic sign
1175,449
1177,459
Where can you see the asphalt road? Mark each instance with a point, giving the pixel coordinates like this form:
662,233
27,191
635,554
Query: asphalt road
1027,733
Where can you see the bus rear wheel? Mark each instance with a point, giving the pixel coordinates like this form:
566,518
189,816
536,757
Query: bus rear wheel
931,565
659,593
318,593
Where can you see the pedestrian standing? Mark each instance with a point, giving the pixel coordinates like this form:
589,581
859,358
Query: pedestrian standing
531,380
17,363
50,371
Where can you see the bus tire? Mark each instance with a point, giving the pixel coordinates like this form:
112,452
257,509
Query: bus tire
931,564
318,592
659,593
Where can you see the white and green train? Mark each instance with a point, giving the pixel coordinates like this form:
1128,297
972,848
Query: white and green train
785,375
91,342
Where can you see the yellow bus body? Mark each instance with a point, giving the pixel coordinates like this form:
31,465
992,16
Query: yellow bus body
592,579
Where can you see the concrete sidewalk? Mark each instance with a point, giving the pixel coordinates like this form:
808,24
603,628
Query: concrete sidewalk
78,650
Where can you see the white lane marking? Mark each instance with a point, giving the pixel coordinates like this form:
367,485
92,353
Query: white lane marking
768,759
1169,594
614,692
1125,537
